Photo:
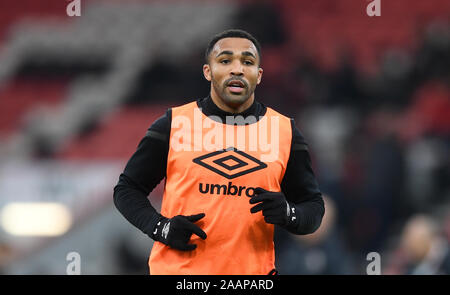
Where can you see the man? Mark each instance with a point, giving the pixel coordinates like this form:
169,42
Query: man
227,184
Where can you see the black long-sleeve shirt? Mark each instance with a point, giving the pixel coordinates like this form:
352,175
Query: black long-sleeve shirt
147,167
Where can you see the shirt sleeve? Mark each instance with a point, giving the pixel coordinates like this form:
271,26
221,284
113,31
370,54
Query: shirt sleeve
300,187
143,172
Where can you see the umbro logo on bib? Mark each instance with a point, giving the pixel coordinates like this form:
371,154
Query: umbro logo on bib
230,163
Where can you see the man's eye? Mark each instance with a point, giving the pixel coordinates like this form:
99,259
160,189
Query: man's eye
224,61
248,62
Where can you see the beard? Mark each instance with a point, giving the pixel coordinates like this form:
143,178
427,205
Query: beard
229,98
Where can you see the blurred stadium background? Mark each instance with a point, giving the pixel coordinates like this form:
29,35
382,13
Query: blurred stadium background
370,94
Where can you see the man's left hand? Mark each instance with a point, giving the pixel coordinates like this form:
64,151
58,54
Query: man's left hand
274,206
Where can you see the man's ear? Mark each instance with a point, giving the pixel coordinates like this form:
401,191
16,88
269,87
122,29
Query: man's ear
207,72
260,72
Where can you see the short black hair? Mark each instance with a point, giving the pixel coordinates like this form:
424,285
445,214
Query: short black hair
232,33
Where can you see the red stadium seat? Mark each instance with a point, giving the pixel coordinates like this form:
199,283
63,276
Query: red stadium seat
116,137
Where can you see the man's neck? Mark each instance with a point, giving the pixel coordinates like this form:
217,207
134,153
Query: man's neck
210,109
230,109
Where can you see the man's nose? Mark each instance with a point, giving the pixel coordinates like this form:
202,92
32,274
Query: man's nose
237,69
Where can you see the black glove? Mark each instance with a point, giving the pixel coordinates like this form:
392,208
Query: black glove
177,231
275,208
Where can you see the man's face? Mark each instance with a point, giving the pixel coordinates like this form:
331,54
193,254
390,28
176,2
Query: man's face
233,70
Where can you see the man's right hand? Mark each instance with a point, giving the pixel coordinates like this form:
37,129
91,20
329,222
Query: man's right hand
177,231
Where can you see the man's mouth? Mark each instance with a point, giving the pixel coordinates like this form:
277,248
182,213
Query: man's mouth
236,86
